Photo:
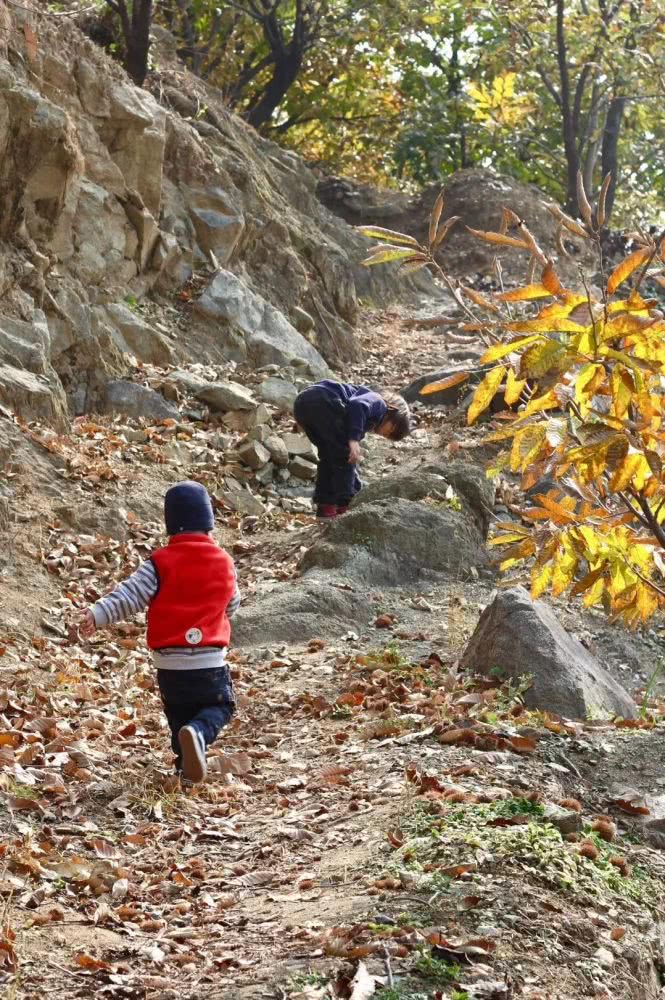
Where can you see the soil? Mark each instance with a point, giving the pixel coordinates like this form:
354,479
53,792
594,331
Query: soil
270,880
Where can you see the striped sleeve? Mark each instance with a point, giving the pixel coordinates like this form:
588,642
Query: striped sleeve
234,603
131,596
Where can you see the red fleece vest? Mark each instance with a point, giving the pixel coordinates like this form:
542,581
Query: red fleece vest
196,582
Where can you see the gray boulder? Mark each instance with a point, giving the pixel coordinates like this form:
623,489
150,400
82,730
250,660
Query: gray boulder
308,609
128,399
134,336
217,220
279,392
268,336
399,542
516,635
28,384
469,482
225,396
444,397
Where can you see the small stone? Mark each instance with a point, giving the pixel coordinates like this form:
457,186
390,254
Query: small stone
239,420
298,444
224,396
265,475
565,820
259,433
253,454
278,450
604,957
302,468
261,415
243,502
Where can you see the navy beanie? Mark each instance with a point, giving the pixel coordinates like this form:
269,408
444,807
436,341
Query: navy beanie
187,507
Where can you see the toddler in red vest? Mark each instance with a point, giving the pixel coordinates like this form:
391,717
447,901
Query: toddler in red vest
190,590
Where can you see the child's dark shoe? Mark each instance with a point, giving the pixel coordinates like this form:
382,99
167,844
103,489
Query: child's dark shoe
193,752
343,509
325,511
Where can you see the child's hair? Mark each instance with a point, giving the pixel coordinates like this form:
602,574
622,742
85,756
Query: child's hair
398,415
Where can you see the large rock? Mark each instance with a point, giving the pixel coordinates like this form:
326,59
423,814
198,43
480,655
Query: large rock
136,337
128,399
469,482
308,609
31,396
398,543
279,392
28,384
217,220
225,396
266,335
517,636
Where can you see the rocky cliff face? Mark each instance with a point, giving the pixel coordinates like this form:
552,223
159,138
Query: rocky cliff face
110,194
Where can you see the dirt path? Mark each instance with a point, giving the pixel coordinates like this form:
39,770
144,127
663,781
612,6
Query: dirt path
346,821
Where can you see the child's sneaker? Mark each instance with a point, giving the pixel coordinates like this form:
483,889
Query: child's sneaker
193,753
326,510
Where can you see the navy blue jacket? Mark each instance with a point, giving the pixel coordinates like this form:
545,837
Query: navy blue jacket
364,409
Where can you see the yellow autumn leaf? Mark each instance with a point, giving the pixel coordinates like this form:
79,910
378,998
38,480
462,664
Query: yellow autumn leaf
514,388
485,392
626,268
526,294
497,351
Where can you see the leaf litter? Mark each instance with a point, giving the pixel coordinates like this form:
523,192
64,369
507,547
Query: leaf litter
374,816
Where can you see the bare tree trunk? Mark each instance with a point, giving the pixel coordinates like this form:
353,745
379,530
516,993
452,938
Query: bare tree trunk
610,160
136,35
284,75
567,116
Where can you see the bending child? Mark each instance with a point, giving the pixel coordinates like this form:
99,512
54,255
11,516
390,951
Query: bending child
190,590
335,417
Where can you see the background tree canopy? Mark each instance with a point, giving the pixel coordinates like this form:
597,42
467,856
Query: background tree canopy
399,91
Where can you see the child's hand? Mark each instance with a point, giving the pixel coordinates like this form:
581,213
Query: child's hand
354,452
86,624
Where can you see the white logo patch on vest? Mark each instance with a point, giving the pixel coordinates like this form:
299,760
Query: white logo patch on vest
193,636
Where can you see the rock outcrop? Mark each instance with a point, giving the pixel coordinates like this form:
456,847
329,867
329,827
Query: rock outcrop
110,194
517,636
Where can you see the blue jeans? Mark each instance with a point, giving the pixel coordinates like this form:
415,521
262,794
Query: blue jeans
203,699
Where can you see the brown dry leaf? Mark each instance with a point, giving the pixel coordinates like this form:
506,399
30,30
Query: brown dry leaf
8,960
232,763
86,961
104,848
618,933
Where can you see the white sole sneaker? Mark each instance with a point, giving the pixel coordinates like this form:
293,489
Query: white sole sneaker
194,766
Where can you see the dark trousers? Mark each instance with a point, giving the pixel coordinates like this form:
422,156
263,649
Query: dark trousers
323,420
200,698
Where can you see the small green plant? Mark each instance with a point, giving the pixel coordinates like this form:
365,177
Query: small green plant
388,658
132,301
342,712
438,972
651,686
310,979
459,995
400,992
